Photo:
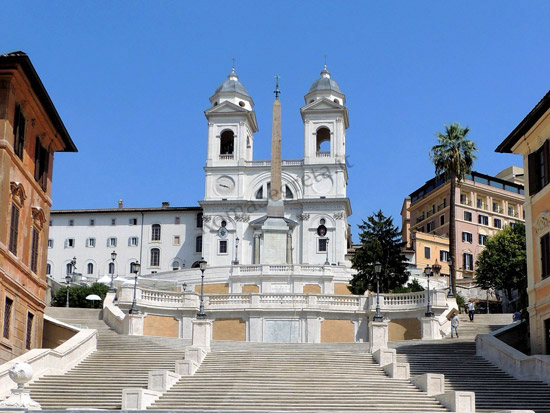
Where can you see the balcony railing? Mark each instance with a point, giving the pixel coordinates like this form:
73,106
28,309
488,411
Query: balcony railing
323,154
226,156
466,202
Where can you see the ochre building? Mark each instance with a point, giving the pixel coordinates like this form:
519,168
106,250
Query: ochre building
30,132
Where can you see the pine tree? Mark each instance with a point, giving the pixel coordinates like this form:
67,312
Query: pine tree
380,242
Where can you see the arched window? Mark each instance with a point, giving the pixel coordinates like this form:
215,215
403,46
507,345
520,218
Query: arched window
260,193
69,269
198,244
91,268
288,193
196,264
323,142
226,143
155,257
199,220
175,265
155,232
48,269
111,268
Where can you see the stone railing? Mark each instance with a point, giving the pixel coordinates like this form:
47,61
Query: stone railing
408,301
52,361
288,162
512,361
278,269
285,300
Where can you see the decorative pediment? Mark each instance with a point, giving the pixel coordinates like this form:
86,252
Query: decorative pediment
542,224
226,107
38,217
18,192
322,104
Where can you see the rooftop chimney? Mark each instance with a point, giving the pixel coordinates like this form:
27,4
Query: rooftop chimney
120,204
165,204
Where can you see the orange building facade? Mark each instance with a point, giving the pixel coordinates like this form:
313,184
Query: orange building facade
30,132
531,139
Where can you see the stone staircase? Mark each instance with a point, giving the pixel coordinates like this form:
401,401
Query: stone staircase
119,362
494,389
482,324
293,377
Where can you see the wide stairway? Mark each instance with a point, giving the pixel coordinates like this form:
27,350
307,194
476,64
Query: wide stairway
494,389
293,377
482,324
119,362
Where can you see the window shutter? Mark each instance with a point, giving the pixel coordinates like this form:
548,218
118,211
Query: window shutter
532,165
546,161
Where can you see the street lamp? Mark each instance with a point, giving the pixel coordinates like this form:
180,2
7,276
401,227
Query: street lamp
184,286
450,294
428,274
326,246
236,260
202,266
135,267
68,277
378,270
113,257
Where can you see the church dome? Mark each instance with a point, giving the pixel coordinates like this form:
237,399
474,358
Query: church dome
232,85
324,83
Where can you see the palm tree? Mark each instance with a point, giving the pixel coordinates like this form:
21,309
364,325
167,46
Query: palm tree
453,158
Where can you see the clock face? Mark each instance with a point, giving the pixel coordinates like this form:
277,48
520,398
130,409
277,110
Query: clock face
224,185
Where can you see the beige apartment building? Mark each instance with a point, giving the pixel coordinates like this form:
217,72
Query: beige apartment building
484,205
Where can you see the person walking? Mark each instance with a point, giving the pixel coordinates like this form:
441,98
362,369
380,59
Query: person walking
471,310
454,325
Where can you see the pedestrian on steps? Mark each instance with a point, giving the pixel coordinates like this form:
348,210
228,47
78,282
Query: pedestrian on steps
454,325
471,310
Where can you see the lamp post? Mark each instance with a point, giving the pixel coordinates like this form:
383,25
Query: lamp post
113,258
378,270
450,294
202,266
236,260
135,267
184,286
68,277
428,274
326,246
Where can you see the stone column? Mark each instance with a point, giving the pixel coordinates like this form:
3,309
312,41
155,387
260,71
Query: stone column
256,248
289,247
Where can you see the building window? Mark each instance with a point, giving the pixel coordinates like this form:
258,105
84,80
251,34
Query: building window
155,232
226,144
322,244
133,221
427,253
155,257
111,268
467,237
467,216
496,206
28,341
133,241
464,199
41,163
497,223
71,222
512,210
323,141
539,168
545,254
113,221
69,268
111,242
198,244
177,220
176,240
92,222
90,268
14,229
90,242
468,263
481,203
34,250
483,219
444,256
18,132
69,243
430,226
48,269
222,247
50,243
482,239
199,220
175,265
442,220
7,317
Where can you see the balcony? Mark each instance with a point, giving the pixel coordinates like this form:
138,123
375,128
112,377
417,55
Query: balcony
441,206
226,156
465,201
323,154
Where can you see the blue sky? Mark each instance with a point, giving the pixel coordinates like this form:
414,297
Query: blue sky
131,80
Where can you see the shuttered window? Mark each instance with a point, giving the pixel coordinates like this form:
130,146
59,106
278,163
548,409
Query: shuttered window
34,250
14,229
7,317
18,132
539,168
545,254
41,163
28,341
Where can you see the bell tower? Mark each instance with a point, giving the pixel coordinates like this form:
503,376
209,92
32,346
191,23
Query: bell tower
231,124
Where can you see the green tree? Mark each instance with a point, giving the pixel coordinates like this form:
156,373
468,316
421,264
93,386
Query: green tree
503,263
453,158
78,294
380,242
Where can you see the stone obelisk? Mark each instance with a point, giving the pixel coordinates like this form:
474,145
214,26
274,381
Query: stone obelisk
275,228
